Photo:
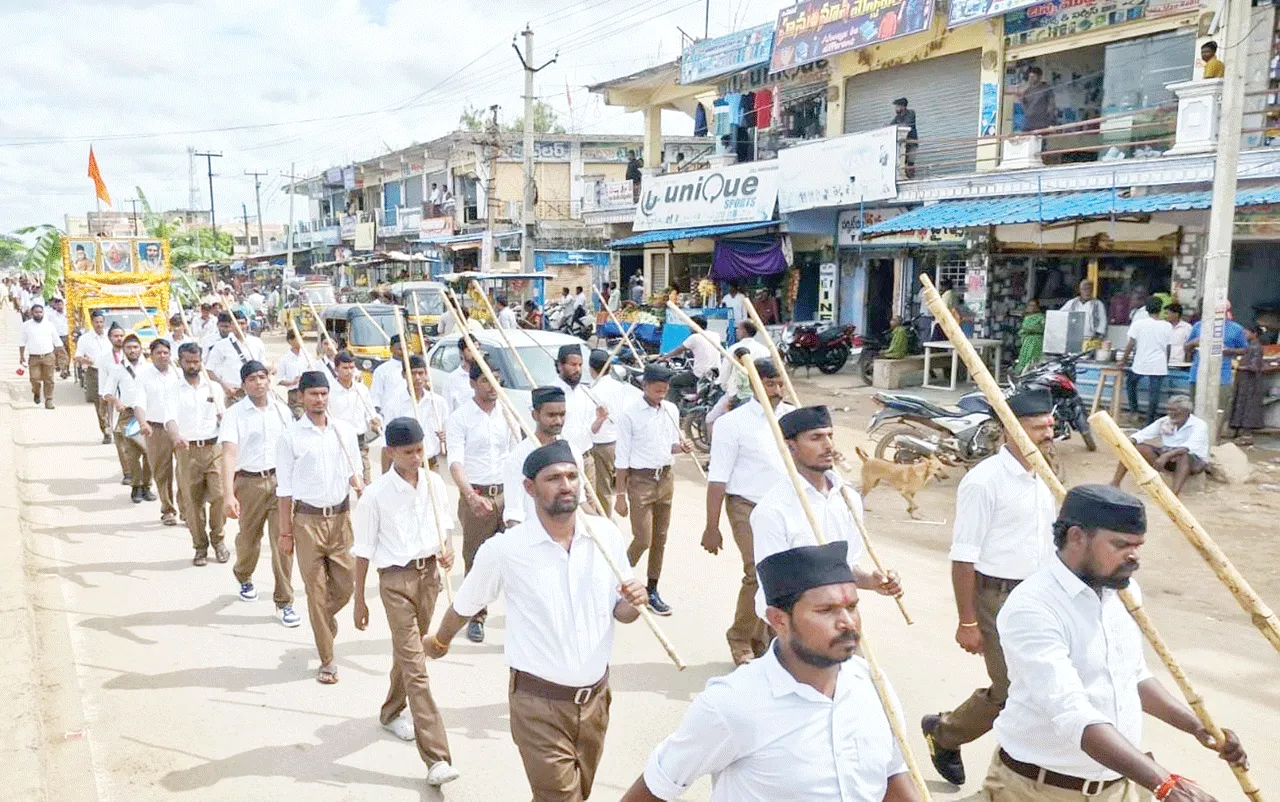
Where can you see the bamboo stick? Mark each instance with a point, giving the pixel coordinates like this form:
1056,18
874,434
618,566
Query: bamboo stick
645,613
1149,480
626,334
378,325
871,552
773,349
1015,434
877,678
503,334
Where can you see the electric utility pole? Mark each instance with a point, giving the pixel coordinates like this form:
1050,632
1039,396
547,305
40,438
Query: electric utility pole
288,265
257,196
213,217
1217,261
529,218
244,216
134,203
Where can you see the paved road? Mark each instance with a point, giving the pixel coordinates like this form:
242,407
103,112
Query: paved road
158,683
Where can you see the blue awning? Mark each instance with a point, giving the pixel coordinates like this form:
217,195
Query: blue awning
670,234
1049,208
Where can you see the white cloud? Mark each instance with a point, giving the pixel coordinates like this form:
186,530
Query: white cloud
73,69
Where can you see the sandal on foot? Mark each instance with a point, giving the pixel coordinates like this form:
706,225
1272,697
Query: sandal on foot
327,675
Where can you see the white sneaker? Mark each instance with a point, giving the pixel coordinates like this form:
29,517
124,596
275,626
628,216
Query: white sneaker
441,773
400,727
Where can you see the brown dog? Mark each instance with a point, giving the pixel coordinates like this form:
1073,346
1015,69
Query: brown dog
907,479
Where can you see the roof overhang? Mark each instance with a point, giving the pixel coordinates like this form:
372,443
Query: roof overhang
655,87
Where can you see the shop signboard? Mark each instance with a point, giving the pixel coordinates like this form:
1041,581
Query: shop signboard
739,193
851,223
435,227
965,11
738,51
364,236
839,171
1055,19
349,177
1166,8
816,29
827,292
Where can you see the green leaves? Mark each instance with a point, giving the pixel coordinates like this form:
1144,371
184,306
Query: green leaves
44,258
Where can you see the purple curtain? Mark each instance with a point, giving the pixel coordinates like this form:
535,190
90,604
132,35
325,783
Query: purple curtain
747,259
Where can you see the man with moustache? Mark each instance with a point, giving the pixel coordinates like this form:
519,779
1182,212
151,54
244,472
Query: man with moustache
159,385
582,415
1004,514
192,420
37,343
803,721
548,423
92,348
1071,730
123,390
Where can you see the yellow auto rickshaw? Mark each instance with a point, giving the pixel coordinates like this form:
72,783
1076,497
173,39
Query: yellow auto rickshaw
317,295
366,329
424,301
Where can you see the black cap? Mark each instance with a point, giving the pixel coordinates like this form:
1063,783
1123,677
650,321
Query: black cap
395,339
804,419
251,367
1035,401
653,372
567,351
789,573
97,313
114,325
550,454
416,362
131,337
546,395
312,378
224,317
404,432
598,359
1104,507
767,369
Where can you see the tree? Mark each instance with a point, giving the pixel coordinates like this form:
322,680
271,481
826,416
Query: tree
186,245
545,121
12,250
43,259
472,119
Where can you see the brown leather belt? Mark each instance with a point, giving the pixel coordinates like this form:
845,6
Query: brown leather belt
257,474
996,583
537,686
1056,780
488,490
420,564
213,441
324,512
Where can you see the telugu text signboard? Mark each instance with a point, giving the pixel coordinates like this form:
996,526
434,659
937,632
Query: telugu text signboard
839,171
738,51
964,11
815,29
739,193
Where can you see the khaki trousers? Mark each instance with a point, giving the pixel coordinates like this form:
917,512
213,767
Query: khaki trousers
560,743
133,457
973,719
650,502
328,572
409,599
200,474
476,529
258,507
748,634
91,395
1003,784
602,460
160,454
40,369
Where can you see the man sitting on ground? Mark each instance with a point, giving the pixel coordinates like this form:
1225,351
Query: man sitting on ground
1184,446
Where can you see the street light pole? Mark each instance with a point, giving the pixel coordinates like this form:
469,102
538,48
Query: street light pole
529,218
213,217
257,196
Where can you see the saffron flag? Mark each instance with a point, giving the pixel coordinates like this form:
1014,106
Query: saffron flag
100,186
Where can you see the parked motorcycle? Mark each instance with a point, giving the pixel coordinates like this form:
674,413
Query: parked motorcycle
577,324
873,344
827,349
694,399
909,428
1058,376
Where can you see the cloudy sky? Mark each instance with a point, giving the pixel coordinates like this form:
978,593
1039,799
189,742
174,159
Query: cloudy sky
269,82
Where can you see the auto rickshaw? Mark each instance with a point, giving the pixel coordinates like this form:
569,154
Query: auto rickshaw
367,332
424,301
312,294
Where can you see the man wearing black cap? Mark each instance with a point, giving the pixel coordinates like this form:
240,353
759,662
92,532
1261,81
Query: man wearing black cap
1004,513
388,378
1072,726
745,468
93,348
231,350
779,522
616,396
478,439
562,600
803,721
582,417
290,367
548,424
192,420
250,438
457,390
315,472
158,387
648,440
349,401
123,390
431,411
399,525
37,342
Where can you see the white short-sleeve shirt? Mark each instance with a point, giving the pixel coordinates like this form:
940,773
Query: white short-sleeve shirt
1004,519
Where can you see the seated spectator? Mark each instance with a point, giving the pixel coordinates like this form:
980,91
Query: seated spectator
899,344
1183,448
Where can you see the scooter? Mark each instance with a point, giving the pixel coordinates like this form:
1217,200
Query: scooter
910,428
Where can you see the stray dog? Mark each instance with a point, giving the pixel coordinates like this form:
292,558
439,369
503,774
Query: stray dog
907,479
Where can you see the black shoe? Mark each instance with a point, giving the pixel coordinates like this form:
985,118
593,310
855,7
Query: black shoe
946,761
148,494
656,604
475,632
106,439
127,480
221,554
135,495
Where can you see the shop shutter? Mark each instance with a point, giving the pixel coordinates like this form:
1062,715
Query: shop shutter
413,191
944,92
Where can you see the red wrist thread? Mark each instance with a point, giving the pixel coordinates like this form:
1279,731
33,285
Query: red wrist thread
1165,788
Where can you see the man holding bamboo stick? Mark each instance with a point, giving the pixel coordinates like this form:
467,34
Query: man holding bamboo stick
1072,727
745,468
778,522
457,388
1001,537
399,528
804,721
582,417
349,402
388,377
563,600
613,395
548,423
431,411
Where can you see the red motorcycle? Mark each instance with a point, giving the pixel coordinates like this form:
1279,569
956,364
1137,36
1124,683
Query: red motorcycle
826,349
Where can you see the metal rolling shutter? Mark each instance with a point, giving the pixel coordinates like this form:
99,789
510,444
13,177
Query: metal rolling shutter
945,94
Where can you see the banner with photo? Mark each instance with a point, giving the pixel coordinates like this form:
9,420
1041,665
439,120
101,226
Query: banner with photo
816,29
735,52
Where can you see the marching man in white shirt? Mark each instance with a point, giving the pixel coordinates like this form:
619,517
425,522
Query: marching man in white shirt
400,525
57,313
1004,513
582,417
1071,730
614,396
37,341
192,421
290,369
123,390
349,402
562,602
159,383
230,352
431,412
648,440
479,439
92,348
457,389
315,472
388,377
250,439
802,722
548,423
745,468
